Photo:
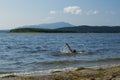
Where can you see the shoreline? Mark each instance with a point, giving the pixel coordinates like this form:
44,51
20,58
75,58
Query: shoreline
104,72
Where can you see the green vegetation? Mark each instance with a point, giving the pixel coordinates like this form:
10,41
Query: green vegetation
76,29
5,72
79,68
93,29
38,30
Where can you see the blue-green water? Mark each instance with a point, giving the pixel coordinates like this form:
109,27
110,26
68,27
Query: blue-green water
32,52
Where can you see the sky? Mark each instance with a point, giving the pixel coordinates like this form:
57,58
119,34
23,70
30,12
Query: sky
16,13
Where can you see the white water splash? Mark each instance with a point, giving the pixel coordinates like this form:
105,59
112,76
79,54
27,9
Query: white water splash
64,49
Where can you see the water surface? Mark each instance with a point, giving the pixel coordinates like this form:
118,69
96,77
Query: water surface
32,52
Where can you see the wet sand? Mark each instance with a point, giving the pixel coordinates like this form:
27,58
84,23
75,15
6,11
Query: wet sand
111,72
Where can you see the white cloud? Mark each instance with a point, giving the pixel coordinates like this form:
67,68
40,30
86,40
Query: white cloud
73,10
111,12
52,12
91,12
95,12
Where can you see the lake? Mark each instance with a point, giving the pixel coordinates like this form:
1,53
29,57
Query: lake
42,51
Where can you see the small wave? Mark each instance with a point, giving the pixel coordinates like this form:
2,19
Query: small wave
78,52
32,51
108,59
86,52
69,62
101,60
107,49
56,64
36,73
64,62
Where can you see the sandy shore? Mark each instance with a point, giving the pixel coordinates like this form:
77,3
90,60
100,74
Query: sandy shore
81,73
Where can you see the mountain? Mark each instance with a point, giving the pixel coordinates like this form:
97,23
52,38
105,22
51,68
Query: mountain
50,25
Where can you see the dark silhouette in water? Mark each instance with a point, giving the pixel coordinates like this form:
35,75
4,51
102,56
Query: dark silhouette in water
71,50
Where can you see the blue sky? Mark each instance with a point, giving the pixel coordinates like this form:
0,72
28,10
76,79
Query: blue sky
14,13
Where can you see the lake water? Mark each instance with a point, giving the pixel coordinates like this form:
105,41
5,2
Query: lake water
33,52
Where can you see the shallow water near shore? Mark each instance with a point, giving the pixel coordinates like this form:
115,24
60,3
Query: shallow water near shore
33,52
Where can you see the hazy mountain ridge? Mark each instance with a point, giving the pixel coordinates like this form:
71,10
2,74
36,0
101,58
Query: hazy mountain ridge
50,25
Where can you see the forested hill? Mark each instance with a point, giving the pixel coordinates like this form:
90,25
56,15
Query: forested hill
76,29
38,30
93,29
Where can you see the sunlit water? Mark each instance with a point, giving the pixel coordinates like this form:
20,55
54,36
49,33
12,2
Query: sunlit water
32,52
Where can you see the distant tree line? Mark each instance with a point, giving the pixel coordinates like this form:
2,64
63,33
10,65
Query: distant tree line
38,30
76,29
93,29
